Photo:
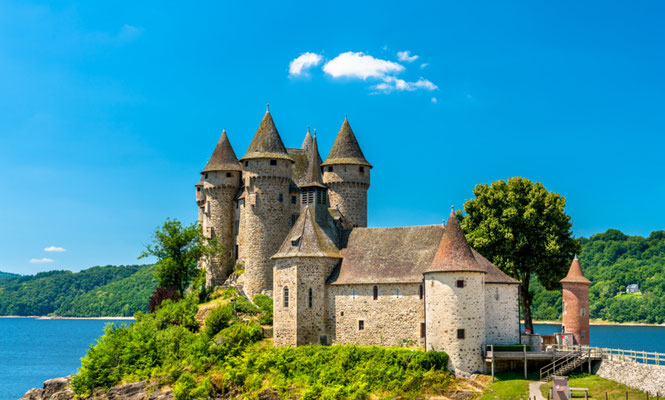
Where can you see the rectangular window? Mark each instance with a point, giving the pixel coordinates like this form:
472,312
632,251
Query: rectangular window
460,333
353,293
228,174
460,283
362,171
397,293
280,198
198,189
582,312
293,199
421,292
294,218
273,162
361,325
205,175
310,298
319,197
330,169
286,296
423,329
236,252
375,292
246,163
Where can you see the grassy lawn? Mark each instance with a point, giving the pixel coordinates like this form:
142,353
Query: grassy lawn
508,386
598,387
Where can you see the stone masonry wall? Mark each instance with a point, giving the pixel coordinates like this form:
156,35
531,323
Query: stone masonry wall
348,191
575,318
449,308
648,378
502,314
264,221
394,319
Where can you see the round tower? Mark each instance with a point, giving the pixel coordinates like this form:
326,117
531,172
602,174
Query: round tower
346,173
220,183
575,318
455,302
264,206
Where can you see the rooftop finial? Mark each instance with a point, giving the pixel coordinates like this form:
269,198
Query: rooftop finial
307,128
575,257
314,133
223,130
452,208
267,107
345,116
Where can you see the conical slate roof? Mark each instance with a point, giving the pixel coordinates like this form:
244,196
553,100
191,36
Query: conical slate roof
345,149
454,253
223,157
308,140
307,239
266,143
313,175
575,274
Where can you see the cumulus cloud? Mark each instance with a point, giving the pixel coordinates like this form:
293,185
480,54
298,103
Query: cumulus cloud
305,61
55,249
391,84
406,56
360,65
41,260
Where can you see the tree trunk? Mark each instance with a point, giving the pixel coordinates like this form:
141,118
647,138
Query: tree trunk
525,299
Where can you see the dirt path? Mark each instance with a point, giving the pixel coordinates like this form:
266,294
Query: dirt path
534,391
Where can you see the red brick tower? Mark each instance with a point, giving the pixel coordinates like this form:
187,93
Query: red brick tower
576,304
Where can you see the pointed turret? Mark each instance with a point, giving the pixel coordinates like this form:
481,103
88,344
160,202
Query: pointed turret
266,143
308,140
345,149
575,274
223,157
308,239
454,253
313,175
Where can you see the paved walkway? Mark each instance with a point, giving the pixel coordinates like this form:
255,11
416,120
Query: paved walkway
534,390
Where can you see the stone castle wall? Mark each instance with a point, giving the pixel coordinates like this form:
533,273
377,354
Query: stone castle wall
502,314
575,318
448,309
648,378
264,220
348,191
394,319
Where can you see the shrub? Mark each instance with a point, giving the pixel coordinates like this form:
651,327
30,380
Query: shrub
159,295
244,306
265,305
218,319
181,313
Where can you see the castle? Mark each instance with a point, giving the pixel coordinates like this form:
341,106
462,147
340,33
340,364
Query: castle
297,226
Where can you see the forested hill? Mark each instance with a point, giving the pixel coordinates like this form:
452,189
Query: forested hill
612,261
93,292
4,275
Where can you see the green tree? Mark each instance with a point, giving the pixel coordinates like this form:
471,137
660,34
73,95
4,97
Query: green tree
523,228
178,250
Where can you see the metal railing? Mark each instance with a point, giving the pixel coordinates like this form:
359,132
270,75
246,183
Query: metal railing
644,357
569,358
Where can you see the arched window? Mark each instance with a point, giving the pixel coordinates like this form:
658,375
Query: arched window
375,292
286,296
309,300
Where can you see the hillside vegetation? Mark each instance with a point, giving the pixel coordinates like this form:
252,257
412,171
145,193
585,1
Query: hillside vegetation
93,292
4,275
612,261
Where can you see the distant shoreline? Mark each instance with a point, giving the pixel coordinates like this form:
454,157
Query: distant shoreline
58,317
607,323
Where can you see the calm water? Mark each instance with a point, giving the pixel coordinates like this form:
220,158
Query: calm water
33,350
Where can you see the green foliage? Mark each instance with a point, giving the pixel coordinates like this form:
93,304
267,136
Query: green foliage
4,275
93,292
612,261
178,250
523,229
163,347
218,319
264,303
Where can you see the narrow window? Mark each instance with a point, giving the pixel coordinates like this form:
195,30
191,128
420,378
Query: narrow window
582,312
273,162
330,169
496,294
341,314
460,333
212,232
375,292
397,293
422,329
280,198
309,300
421,292
460,283
294,218
362,171
198,189
583,334
246,163
293,199
236,252
361,325
228,174
286,296
353,293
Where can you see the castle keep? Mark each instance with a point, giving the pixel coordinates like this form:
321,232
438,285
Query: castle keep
297,226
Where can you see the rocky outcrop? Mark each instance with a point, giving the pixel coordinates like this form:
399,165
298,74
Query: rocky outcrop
59,389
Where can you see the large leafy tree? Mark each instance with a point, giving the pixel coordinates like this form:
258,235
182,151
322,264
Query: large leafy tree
178,250
523,229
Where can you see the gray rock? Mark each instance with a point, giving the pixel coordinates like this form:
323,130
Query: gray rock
58,389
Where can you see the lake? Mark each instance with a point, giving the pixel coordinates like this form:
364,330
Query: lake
34,350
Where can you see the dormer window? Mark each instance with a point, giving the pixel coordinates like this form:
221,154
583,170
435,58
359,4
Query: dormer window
295,241
273,162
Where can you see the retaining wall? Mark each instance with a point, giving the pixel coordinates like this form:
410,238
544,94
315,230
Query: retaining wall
645,377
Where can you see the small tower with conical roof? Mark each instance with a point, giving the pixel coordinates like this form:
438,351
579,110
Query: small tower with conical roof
264,207
346,173
214,195
303,263
575,318
455,302
307,142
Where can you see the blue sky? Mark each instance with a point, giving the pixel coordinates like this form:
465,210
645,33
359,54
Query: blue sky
109,110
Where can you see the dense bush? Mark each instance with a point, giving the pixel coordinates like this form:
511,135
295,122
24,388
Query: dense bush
264,303
159,295
218,319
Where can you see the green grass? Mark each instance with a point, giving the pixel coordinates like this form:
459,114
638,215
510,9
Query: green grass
508,386
598,387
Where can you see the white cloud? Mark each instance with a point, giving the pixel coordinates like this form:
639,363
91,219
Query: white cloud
41,260
360,65
391,84
406,56
305,61
56,249
434,100
423,65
